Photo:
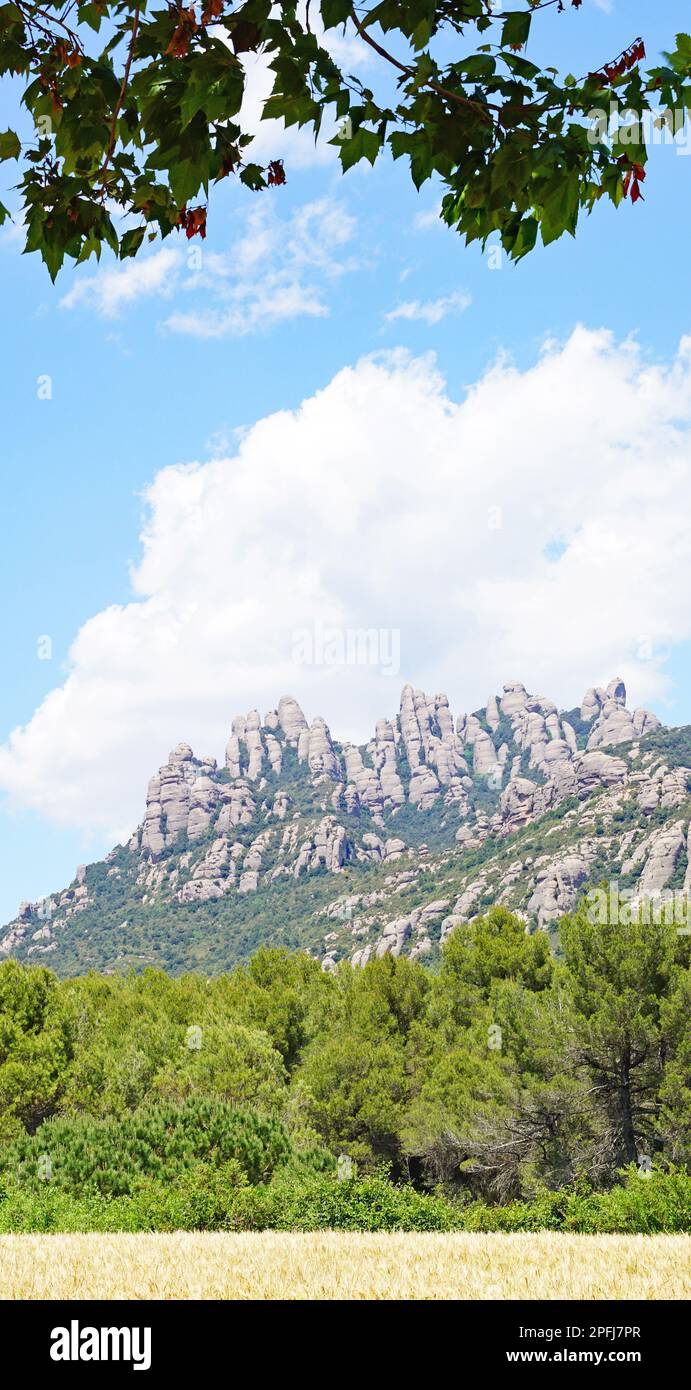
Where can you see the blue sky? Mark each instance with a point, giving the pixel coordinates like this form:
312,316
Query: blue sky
308,280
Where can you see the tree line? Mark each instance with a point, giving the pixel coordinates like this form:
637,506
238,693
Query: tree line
508,1070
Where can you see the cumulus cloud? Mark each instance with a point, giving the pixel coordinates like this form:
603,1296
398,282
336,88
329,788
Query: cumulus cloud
535,529
430,311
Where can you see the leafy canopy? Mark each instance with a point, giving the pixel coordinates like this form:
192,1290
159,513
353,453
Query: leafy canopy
135,109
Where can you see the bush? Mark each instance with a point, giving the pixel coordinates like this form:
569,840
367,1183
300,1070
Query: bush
321,1203
200,1200
217,1199
656,1204
23,1211
161,1143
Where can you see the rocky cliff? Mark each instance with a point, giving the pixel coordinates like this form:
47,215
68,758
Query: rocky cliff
350,851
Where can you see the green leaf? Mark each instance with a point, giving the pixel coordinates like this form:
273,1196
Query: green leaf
335,12
525,239
515,29
131,242
478,65
53,256
521,67
253,177
10,145
92,15
560,207
364,144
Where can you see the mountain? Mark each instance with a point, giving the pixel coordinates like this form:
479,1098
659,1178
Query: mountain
349,851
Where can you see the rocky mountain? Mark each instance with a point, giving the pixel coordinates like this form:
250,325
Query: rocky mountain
352,851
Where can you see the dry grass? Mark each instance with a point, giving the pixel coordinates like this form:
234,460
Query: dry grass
335,1265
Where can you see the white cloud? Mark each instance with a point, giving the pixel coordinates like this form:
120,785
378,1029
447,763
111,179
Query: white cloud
535,530
250,309
430,311
428,218
276,269
13,232
109,289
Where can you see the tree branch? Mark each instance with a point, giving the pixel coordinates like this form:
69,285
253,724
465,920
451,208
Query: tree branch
480,109
50,19
121,97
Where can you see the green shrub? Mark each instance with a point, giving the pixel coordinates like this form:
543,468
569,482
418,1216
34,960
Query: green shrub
161,1143
217,1198
23,1211
321,1203
200,1200
211,1200
648,1204
660,1202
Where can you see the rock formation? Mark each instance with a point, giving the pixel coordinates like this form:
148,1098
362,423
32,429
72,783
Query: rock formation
435,800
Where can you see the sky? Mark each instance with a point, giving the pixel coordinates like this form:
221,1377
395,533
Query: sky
338,419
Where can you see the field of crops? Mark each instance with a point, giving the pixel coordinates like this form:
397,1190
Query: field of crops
338,1265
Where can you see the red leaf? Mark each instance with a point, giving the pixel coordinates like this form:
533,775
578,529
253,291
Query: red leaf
245,37
277,174
211,11
193,222
182,36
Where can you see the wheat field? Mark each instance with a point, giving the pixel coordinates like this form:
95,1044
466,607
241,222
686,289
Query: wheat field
337,1265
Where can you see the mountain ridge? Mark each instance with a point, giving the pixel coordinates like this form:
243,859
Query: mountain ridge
427,823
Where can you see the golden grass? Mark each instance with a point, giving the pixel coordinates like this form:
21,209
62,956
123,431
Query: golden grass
338,1265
